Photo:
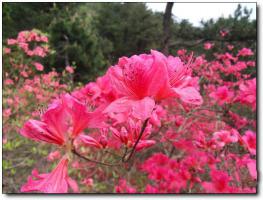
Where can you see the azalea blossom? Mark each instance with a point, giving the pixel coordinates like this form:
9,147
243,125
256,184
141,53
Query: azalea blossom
245,52
225,137
222,95
7,50
53,127
249,140
11,41
70,69
139,84
219,183
248,93
39,66
123,187
208,45
129,137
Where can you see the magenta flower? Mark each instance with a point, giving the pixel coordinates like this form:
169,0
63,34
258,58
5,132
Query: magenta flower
129,137
224,137
248,93
143,79
250,142
55,182
70,69
38,66
123,187
208,45
245,52
252,168
222,95
219,183
64,120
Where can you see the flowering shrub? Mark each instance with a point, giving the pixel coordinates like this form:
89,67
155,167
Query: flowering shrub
150,124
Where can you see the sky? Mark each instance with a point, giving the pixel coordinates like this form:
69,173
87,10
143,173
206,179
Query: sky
195,12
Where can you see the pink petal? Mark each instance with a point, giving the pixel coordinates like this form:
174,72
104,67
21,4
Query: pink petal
88,140
120,105
189,95
117,80
81,118
252,168
73,184
158,75
142,109
39,131
209,187
55,118
54,182
144,144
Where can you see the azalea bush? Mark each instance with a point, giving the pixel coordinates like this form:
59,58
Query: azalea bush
151,124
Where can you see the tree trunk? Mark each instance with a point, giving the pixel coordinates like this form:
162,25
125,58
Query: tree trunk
167,28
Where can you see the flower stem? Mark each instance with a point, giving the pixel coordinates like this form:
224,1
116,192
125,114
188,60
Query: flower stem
137,141
94,161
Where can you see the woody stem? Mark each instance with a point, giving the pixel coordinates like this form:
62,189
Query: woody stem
94,161
137,141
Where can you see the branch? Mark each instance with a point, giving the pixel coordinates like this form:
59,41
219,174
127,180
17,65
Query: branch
94,161
137,141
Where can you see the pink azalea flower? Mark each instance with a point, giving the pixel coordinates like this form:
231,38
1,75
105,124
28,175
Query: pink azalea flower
39,66
219,183
245,52
248,93
249,140
11,41
222,95
7,112
24,46
88,182
129,137
123,187
139,84
39,51
9,81
44,38
225,137
230,47
208,45
251,63
64,119
252,168
181,83
181,52
55,182
150,189
70,69
223,33
7,50
24,74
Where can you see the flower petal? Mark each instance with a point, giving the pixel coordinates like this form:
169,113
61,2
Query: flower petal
189,95
142,109
88,140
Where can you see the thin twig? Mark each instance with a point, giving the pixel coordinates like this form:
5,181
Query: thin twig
124,155
94,161
137,141
112,153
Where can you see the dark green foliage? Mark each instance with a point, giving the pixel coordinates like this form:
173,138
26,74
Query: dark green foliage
129,28
93,36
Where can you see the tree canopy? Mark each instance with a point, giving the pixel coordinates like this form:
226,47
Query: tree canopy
93,36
